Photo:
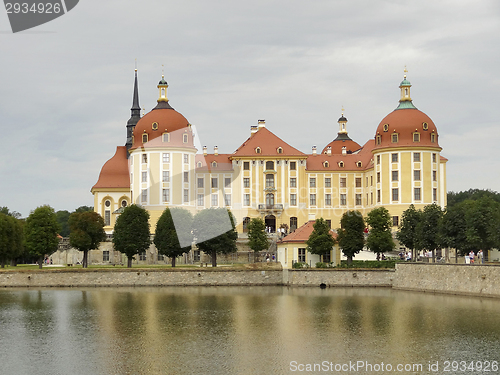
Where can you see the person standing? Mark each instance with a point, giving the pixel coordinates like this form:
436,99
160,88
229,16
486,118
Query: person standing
480,256
471,256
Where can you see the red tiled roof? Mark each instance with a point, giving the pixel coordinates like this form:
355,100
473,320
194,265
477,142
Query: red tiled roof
317,162
302,233
115,173
337,144
268,144
223,163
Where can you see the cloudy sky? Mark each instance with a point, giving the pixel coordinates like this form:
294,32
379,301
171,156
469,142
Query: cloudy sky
66,86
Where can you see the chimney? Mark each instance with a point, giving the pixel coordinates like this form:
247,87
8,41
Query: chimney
204,150
314,150
253,129
262,124
344,150
216,150
329,150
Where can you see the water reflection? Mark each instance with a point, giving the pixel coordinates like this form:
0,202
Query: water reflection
250,330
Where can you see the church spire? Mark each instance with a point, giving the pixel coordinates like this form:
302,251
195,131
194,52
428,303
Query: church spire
135,115
405,102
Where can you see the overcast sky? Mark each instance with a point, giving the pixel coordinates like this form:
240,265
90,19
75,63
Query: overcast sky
66,86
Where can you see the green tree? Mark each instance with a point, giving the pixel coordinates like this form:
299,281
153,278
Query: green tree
11,238
210,231
471,194
87,232
131,235
41,231
63,220
257,237
454,227
173,228
320,241
5,210
380,236
429,229
350,236
407,234
482,224
84,209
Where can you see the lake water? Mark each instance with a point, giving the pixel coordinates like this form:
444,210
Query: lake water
245,330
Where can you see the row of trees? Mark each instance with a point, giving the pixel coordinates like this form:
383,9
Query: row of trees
467,225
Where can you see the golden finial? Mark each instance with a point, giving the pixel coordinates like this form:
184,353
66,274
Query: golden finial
136,65
143,110
342,110
162,72
405,71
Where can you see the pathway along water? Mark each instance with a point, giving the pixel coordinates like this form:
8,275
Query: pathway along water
243,330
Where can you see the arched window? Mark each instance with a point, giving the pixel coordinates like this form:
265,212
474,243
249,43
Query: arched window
270,200
378,140
269,165
280,150
341,164
185,138
293,223
246,221
257,150
144,138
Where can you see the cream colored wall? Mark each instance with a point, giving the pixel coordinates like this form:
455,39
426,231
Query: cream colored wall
289,253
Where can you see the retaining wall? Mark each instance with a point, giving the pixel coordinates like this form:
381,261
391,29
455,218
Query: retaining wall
340,277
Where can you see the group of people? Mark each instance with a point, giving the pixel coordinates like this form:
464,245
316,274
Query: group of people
405,255
480,257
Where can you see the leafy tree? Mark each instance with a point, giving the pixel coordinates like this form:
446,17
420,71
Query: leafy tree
131,235
454,227
482,224
41,231
172,229
351,234
320,241
63,220
11,238
84,209
257,237
87,232
5,210
429,229
407,234
380,236
471,194
210,231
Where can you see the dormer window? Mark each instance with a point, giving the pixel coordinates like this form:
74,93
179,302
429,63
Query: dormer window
199,164
257,150
378,139
144,138
433,137
386,127
359,164
185,138
341,164
326,164
416,137
280,150
394,138
166,137
214,164
154,126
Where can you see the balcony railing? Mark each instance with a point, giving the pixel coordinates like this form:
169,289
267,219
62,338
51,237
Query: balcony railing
270,207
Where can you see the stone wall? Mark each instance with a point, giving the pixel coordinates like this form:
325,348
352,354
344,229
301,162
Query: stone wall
462,279
340,277
139,277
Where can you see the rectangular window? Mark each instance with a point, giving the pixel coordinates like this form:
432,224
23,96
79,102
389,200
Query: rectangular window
378,196
214,182
302,255
293,182
215,200
394,138
358,181
246,165
227,182
185,138
246,182
200,200
142,256
246,199
395,194
434,157
293,165
269,180
417,194
166,137
144,177
416,175
416,137
395,221
160,257
359,200
416,156
144,195
107,218
105,256
371,180
166,195
312,199
166,157
433,137
371,198
186,176
343,199
227,199
367,182
328,182
329,223
186,195
395,175
186,158
343,182
166,176
434,195
293,199
394,158
201,182
378,177
144,158
434,175
378,159
328,199
312,182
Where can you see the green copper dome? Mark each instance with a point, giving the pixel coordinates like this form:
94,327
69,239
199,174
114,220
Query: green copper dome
405,82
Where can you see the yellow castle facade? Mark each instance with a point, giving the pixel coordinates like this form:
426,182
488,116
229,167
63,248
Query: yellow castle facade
162,165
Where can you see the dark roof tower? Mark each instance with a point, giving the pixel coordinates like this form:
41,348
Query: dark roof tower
135,115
